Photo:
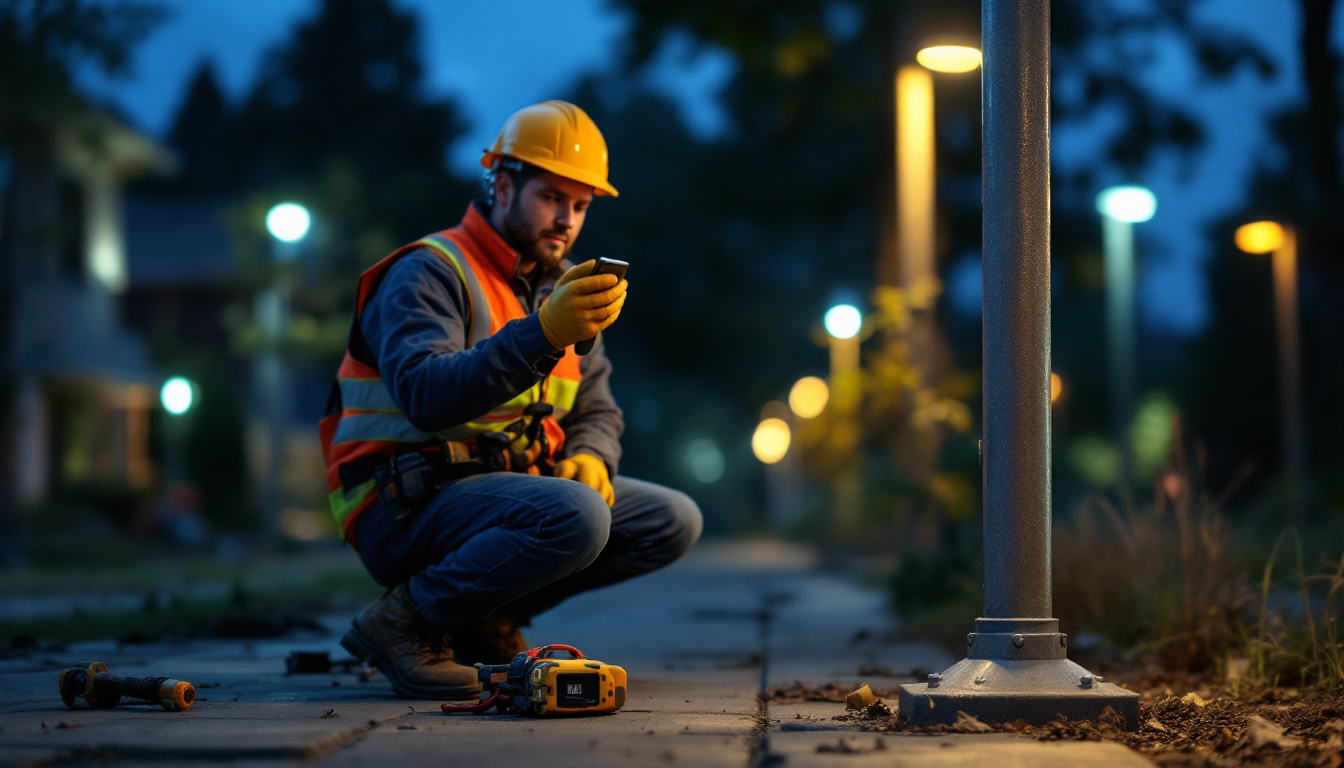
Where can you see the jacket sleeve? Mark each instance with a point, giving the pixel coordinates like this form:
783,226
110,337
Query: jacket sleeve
596,423
414,327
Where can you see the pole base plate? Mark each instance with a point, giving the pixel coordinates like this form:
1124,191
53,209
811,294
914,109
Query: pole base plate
996,691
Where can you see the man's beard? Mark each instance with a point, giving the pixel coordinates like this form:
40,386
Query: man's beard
531,247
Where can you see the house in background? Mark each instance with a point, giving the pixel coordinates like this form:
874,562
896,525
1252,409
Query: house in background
85,384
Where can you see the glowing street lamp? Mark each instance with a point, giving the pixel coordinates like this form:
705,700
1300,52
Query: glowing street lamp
1121,208
916,220
949,58
1270,237
288,223
807,398
177,396
771,440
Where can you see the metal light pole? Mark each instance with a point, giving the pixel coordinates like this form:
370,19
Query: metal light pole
843,324
1121,208
1016,665
288,223
1270,237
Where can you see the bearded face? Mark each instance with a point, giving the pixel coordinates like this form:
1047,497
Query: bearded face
543,217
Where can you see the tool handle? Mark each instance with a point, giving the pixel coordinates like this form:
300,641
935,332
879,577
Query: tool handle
545,651
172,695
585,346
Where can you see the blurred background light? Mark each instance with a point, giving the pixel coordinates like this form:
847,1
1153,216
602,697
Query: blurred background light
949,58
1127,203
771,440
177,395
808,397
1056,387
288,222
704,460
1260,237
843,321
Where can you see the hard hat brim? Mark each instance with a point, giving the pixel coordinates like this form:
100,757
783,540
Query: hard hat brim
600,185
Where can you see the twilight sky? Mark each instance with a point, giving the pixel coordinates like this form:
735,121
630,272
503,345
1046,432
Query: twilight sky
548,44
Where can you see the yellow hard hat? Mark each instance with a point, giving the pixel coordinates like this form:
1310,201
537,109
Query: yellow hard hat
558,137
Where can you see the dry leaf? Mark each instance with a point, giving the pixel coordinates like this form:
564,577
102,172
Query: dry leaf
863,698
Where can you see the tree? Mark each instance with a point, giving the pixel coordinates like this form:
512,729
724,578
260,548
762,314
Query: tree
337,120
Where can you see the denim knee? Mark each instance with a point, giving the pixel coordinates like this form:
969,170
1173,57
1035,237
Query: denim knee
579,523
685,523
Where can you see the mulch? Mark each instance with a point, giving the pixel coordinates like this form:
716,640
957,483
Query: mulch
1274,727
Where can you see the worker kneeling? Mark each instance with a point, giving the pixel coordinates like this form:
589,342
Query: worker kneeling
471,452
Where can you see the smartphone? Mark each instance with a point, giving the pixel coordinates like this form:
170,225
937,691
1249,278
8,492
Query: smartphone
604,266
607,266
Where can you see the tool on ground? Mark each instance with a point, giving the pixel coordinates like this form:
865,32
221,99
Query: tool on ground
92,686
538,683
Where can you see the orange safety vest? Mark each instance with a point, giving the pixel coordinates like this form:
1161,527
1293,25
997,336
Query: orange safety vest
364,427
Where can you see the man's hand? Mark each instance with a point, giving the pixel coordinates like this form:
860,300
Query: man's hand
581,306
589,470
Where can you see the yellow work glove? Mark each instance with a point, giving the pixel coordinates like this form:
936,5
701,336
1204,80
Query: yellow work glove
589,470
581,306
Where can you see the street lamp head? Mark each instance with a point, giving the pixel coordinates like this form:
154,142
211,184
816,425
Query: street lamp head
177,395
288,222
1260,237
949,58
843,321
771,441
1127,203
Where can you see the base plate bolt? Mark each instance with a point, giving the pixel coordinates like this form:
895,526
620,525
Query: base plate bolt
1019,641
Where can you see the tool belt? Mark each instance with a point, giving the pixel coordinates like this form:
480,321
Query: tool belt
408,479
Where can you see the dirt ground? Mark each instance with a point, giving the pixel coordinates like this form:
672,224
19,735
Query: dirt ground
1200,726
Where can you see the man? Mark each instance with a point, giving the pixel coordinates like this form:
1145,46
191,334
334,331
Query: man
471,452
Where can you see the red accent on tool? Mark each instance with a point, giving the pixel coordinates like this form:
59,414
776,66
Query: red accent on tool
543,650
480,706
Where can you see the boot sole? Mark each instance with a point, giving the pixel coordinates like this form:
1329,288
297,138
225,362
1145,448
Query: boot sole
359,646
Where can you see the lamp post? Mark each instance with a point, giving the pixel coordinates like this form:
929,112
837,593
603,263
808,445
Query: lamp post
1263,237
916,209
1016,665
843,324
177,396
288,224
1121,208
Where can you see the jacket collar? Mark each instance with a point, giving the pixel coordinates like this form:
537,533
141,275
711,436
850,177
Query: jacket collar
491,246
498,254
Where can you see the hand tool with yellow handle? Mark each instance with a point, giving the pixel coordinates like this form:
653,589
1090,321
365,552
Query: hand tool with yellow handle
537,683
94,687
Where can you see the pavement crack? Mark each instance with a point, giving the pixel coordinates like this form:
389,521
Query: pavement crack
348,737
758,742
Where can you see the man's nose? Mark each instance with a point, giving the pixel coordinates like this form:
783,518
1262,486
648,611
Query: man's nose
564,218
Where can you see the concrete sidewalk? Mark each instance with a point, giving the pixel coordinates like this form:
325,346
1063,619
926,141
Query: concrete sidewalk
699,640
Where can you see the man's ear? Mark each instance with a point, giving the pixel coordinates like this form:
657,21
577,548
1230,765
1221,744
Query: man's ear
504,189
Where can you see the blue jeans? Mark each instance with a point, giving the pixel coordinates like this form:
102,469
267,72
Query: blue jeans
520,544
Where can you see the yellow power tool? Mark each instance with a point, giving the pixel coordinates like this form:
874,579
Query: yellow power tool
538,683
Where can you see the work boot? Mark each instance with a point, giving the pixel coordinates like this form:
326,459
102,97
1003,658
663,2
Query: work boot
494,640
418,660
